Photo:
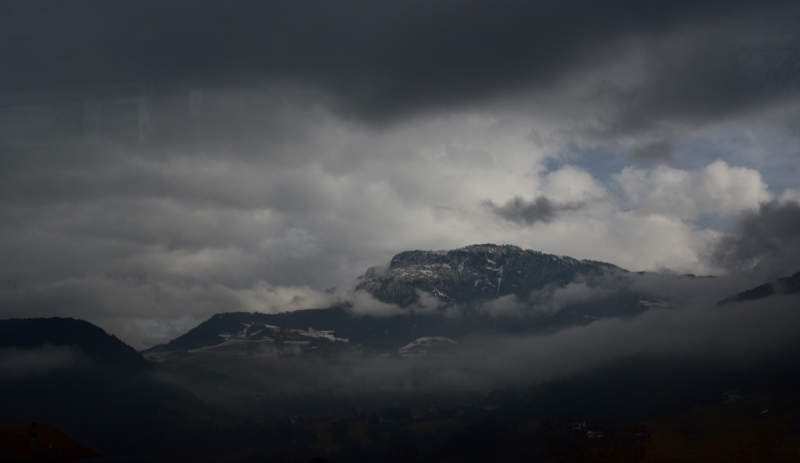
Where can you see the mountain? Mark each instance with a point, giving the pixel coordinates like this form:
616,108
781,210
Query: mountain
462,280
81,335
112,404
249,330
475,273
785,285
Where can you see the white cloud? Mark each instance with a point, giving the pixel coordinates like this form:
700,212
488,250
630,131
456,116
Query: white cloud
263,298
506,306
572,185
547,301
364,303
551,300
790,195
718,189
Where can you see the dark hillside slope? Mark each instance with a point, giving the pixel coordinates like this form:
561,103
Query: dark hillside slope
761,428
785,285
31,333
391,333
109,401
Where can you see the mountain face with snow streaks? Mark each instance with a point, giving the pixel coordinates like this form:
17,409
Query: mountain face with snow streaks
464,279
474,274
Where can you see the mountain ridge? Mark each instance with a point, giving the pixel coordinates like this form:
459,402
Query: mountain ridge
785,285
475,273
27,333
464,279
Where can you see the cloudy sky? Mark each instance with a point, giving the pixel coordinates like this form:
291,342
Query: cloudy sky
289,146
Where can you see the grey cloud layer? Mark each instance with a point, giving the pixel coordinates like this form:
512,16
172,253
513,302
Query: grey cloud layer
383,60
768,238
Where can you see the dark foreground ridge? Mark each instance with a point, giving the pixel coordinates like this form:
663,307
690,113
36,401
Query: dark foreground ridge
41,442
31,333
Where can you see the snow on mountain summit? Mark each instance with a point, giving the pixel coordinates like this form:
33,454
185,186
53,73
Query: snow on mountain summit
474,273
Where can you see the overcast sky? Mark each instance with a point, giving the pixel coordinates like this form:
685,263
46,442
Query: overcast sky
292,145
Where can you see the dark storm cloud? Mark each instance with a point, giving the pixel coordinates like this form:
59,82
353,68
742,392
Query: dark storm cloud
380,59
660,151
541,209
768,238
730,68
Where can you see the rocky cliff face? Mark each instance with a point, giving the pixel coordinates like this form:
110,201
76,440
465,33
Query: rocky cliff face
474,273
